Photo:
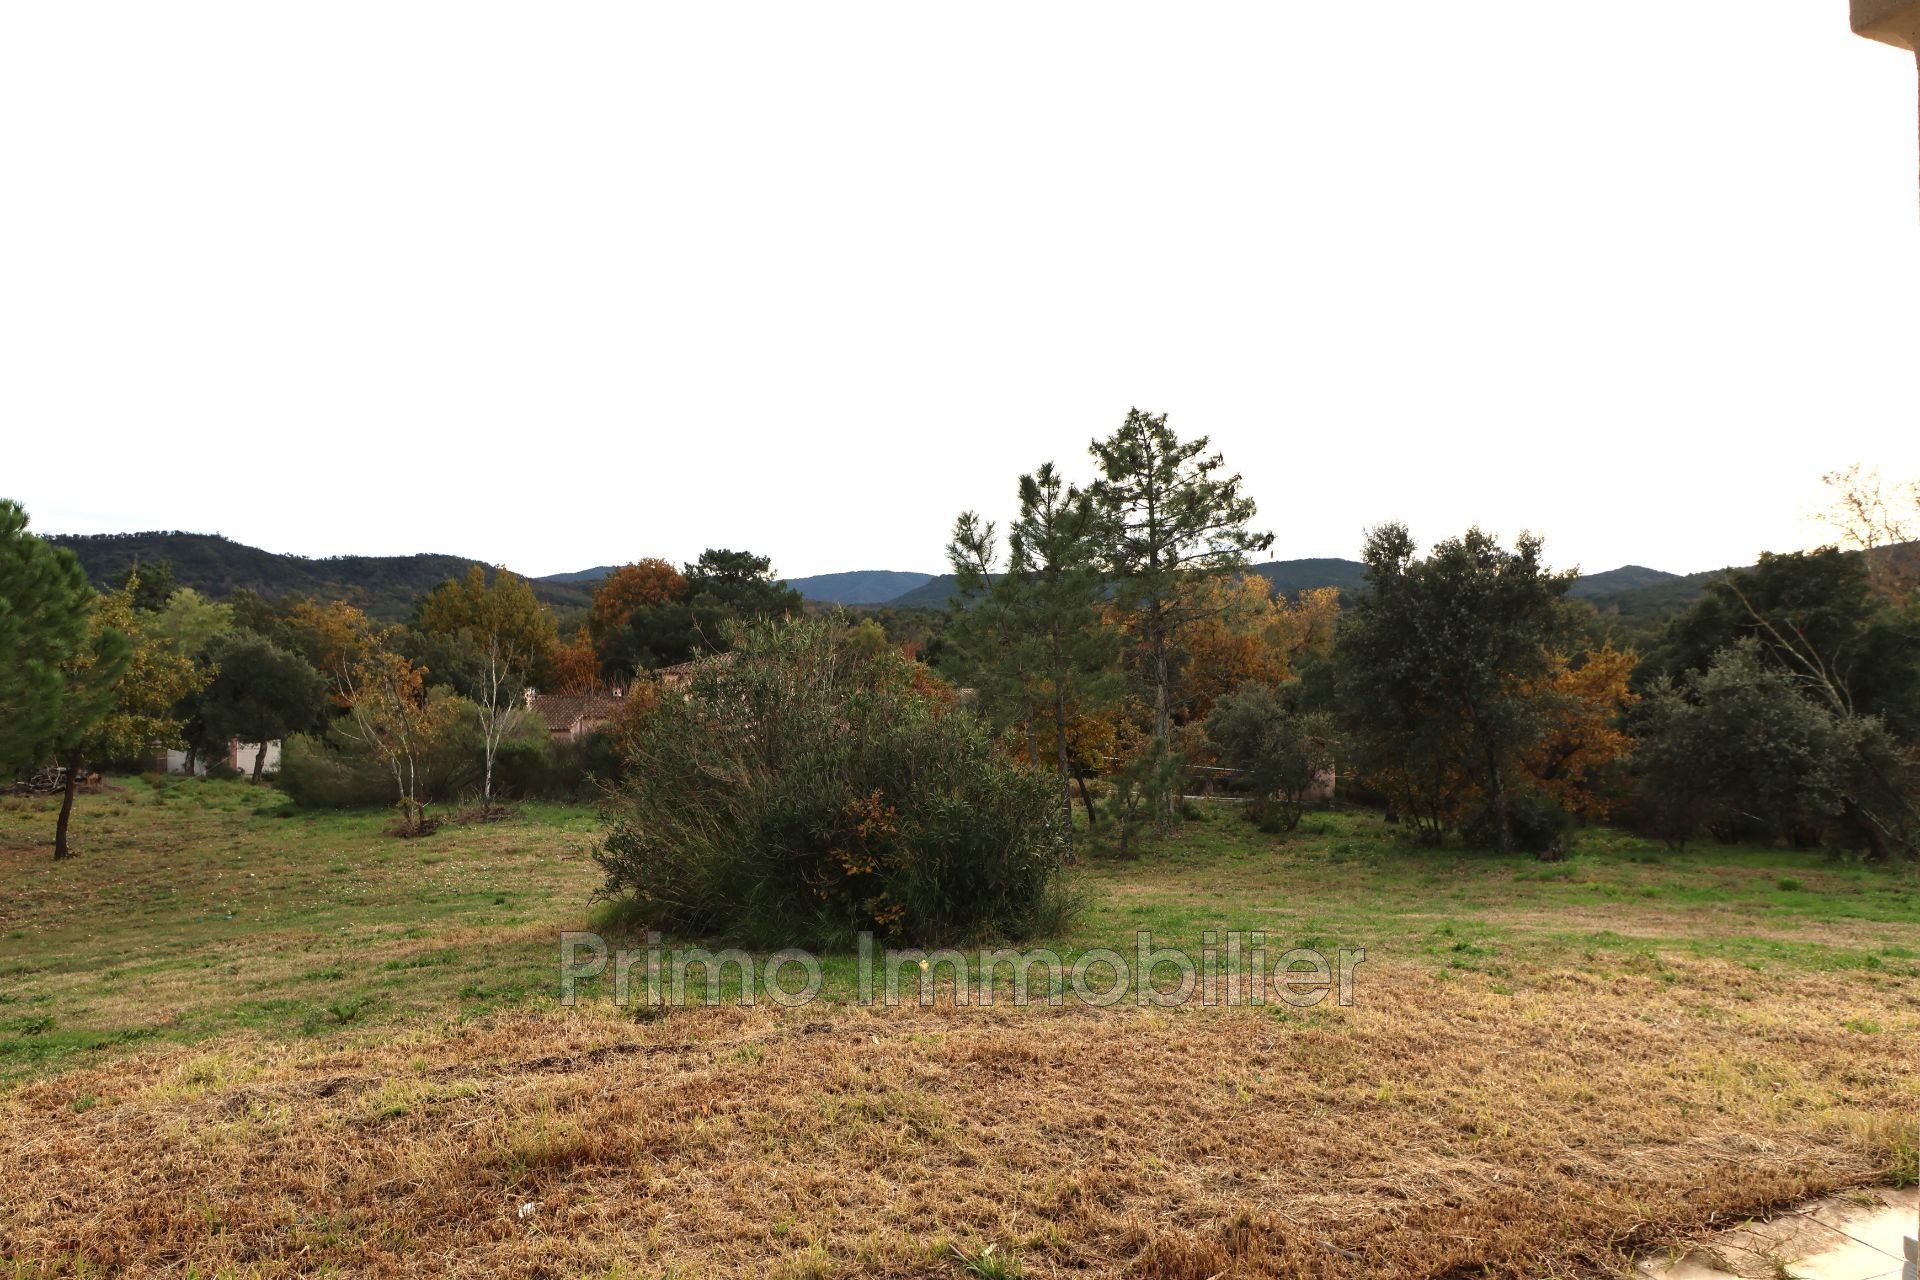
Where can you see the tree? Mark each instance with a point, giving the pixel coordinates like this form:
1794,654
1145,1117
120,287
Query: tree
1443,666
1169,513
1055,549
122,693
652,636
152,583
1035,630
189,621
986,642
1849,647
390,712
510,636
620,593
260,692
741,583
576,665
1236,641
396,718
1582,707
44,602
1817,616
1737,750
1882,522
1283,753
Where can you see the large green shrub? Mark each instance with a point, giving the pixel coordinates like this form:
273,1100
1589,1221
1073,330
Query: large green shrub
1741,752
802,790
1283,754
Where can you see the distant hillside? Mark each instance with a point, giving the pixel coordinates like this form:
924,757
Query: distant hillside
1288,577
857,586
1628,577
581,575
860,586
932,593
385,586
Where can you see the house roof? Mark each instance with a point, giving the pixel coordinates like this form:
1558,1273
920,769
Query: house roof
565,710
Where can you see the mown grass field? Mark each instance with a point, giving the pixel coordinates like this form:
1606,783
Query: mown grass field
237,1039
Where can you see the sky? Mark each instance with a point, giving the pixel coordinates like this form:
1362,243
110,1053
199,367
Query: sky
564,285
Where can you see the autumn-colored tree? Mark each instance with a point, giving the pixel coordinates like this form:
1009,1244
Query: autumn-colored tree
389,710
1305,625
123,689
1582,706
1230,642
392,714
575,666
631,587
1092,738
332,636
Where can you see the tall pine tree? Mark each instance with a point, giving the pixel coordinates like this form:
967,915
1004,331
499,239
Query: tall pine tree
1169,513
1032,633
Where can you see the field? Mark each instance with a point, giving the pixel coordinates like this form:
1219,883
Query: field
236,1039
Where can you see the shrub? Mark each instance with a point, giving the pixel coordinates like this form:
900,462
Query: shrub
532,765
1538,824
800,792
317,774
334,771
1283,753
1740,752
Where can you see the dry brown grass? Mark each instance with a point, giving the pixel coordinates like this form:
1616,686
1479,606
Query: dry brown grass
1438,1129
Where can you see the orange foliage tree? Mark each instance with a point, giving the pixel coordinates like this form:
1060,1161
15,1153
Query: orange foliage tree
630,587
1582,707
1246,635
390,711
575,666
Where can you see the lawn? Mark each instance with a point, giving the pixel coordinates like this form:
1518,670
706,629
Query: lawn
240,1039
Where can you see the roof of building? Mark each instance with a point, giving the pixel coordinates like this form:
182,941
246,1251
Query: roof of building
565,710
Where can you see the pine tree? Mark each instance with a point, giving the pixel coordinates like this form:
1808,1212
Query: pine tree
44,598
1169,514
1033,632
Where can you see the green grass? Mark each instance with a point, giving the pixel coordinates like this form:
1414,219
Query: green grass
200,909
196,909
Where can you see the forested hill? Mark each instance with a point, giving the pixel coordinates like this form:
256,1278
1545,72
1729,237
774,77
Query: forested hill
860,586
1631,591
385,586
1289,577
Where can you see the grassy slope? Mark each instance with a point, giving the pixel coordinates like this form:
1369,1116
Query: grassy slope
1548,1064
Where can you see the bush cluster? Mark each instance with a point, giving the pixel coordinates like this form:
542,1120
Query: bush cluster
332,771
803,790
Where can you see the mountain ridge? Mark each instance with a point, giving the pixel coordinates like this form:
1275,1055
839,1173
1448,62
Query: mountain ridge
386,586
216,566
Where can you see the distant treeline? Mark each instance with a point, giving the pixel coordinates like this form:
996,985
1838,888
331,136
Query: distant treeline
386,587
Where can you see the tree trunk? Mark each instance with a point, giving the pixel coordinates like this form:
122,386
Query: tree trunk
1500,818
1086,797
1066,772
60,849
489,722
259,760
1162,798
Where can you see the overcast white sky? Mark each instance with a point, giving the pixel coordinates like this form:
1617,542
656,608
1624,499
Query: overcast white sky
558,285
